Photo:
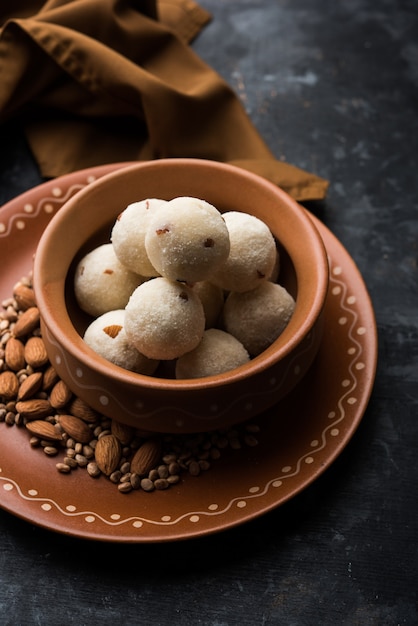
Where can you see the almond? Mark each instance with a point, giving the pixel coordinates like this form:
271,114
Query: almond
146,457
24,296
81,409
14,354
27,322
76,428
9,385
113,330
50,378
30,386
35,352
44,430
34,409
123,432
60,395
108,453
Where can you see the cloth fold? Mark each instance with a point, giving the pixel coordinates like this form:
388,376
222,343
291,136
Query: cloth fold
102,81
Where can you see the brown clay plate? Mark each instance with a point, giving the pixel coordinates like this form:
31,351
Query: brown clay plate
299,438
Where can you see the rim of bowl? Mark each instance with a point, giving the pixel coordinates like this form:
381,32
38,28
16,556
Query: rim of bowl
72,342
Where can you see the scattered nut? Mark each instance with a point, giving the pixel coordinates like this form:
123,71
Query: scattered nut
32,395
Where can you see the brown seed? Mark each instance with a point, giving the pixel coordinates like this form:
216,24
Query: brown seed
146,457
35,352
135,481
68,460
93,469
88,452
9,385
10,418
44,430
147,484
115,476
60,395
14,354
163,471
153,475
50,450
125,487
75,428
34,408
24,296
125,468
161,483
108,454
81,460
173,468
30,386
27,322
194,468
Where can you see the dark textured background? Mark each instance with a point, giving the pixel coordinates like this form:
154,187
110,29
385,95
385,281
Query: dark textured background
332,87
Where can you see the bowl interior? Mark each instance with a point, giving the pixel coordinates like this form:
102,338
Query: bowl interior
86,220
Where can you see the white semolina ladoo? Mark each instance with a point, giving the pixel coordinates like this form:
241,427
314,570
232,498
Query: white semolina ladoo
164,319
106,336
102,283
128,236
258,317
218,352
252,256
187,239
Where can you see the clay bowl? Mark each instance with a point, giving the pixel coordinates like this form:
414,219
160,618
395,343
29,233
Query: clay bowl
155,403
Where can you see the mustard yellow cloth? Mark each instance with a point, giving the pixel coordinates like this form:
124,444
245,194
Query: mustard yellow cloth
102,81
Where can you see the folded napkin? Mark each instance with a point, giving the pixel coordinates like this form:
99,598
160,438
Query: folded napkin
102,81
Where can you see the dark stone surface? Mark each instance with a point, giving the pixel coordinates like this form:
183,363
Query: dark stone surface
332,87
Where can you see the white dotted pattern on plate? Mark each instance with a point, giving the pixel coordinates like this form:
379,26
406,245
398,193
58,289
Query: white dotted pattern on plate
47,205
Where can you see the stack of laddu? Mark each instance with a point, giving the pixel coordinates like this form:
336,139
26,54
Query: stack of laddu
180,281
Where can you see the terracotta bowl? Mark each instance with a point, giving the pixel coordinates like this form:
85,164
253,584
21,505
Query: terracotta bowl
155,403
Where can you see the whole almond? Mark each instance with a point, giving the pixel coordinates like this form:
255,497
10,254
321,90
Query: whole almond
9,385
27,322
60,395
146,457
33,409
108,453
123,432
24,296
81,409
50,378
35,352
30,386
76,428
44,430
14,354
